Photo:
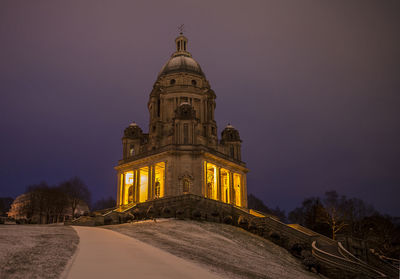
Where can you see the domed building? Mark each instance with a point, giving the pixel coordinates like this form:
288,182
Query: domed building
181,153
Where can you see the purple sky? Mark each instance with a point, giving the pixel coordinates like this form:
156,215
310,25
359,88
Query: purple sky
312,86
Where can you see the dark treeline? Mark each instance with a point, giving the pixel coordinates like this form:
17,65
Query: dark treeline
336,215
257,204
104,204
49,204
5,204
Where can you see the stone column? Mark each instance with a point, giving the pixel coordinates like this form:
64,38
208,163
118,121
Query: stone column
149,183
119,182
153,181
204,180
244,191
218,183
136,185
232,189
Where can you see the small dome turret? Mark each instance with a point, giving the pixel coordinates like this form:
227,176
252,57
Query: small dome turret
133,131
230,134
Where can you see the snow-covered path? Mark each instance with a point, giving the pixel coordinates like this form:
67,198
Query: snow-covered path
104,253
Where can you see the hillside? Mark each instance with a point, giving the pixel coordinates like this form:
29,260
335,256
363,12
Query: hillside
224,249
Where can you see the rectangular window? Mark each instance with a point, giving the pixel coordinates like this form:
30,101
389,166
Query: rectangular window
237,189
225,187
144,184
128,188
159,180
211,181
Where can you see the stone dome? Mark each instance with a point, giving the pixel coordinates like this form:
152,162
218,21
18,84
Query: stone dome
181,63
181,60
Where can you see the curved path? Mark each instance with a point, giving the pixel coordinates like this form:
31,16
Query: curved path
104,253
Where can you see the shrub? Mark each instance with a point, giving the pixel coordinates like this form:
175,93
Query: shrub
215,213
196,214
150,212
166,212
296,250
228,219
243,222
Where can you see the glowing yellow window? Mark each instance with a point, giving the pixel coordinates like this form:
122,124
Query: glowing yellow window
144,184
237,187
225,189
211,181
159,175
128,188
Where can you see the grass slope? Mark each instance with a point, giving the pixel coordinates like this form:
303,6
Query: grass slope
35,251
227,250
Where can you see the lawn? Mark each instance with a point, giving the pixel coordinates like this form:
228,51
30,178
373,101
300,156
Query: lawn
224,249
35,251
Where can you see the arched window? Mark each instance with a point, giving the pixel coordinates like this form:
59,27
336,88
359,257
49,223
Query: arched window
172,81
186,186
194,82
131,150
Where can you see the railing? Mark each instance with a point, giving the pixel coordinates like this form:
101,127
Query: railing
344,263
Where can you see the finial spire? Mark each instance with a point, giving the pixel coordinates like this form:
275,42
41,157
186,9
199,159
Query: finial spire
181,41
181,28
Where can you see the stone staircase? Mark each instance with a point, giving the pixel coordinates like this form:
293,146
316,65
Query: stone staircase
334,259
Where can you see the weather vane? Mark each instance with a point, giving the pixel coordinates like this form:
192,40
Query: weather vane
180,28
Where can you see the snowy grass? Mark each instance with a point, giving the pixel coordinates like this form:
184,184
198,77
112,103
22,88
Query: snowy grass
35,251
230,251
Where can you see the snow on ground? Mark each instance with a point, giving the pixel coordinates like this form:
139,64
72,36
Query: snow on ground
35,251
224,249
105,254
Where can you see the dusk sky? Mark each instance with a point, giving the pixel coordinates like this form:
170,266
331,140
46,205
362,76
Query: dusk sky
312,86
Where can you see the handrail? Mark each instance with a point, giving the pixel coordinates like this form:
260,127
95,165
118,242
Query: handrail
344,262
348,255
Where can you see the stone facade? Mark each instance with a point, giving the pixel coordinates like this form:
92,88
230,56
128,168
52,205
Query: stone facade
181,153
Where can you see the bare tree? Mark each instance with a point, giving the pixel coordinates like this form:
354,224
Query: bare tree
335,208
76,191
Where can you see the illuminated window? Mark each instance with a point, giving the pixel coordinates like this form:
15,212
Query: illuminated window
237,187
211,181
128,183
144,184
131,150
159,170
225,187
